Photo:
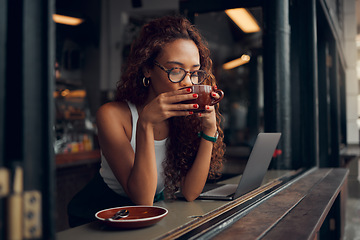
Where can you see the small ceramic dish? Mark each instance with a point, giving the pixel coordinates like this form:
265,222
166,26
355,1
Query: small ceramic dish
139,216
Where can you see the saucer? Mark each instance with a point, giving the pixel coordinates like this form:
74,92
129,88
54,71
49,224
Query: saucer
139,216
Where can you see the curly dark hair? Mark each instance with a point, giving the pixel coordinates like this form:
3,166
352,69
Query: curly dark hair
181,146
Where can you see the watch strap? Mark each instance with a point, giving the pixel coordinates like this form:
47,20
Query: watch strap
206,137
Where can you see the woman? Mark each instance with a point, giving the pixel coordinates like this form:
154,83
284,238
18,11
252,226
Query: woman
148,138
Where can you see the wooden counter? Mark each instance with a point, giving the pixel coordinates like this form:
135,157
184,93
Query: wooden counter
296,212
304,201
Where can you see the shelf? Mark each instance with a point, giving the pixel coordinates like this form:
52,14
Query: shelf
72,159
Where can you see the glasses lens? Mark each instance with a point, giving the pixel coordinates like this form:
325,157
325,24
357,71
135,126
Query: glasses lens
198,77
176,74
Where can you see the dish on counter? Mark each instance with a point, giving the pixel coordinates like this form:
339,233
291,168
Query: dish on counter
139,216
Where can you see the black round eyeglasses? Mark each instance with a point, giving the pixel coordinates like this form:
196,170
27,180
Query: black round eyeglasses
177,74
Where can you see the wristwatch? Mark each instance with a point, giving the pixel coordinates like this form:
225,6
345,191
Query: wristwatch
206,137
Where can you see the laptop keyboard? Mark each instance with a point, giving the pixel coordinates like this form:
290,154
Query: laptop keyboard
225,190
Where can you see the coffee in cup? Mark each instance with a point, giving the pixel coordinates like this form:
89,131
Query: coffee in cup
204,96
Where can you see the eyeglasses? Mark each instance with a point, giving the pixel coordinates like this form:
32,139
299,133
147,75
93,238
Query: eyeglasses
177,74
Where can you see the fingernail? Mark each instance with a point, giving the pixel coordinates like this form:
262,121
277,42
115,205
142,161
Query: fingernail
199,114
195,105
195,95
188,89
207,107
215,87
190,112
214,94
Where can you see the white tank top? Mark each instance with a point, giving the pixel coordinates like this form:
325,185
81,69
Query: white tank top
160,151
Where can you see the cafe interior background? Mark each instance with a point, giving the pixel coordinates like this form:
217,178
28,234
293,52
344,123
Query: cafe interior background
294,72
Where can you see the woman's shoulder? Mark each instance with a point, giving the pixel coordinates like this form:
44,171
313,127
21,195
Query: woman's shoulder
113,120
114,107
113,110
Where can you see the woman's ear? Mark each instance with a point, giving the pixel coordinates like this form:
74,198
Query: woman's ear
146,72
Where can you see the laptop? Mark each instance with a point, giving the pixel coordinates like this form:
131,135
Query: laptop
254,173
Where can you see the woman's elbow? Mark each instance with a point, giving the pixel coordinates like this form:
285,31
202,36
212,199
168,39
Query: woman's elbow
190,196
144,201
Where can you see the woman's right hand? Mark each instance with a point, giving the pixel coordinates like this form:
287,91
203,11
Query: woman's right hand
167,105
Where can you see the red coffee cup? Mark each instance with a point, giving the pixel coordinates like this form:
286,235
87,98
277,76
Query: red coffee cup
204,96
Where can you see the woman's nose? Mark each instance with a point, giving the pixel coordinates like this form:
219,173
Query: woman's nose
186,81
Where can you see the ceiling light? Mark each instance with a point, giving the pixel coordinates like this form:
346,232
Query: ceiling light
237,62
62,19
245,21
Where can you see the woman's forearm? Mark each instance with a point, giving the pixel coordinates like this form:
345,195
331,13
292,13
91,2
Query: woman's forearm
193,183
142,181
